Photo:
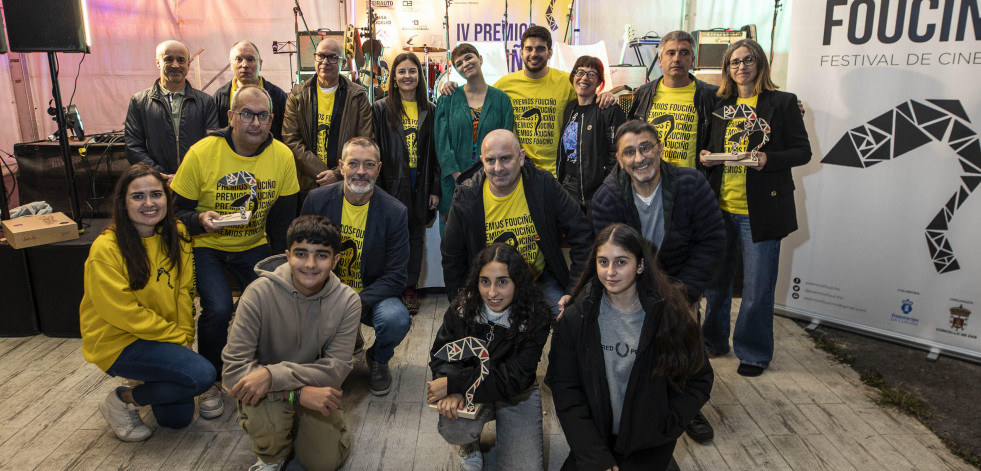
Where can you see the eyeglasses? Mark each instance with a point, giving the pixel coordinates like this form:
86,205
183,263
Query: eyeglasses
331,59
735,63
586,73
645,149
247,116
354,164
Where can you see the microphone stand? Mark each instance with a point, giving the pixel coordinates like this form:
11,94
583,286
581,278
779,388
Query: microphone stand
296,10
567,37
446,26
776,8
371,53
504,23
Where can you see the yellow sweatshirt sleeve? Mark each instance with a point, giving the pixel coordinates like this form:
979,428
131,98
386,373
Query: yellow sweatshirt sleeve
107,287
185,294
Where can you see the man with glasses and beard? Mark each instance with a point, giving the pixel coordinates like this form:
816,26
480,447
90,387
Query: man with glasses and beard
374,250
236,170
323,113
165,120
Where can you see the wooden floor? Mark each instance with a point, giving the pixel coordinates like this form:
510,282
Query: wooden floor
805,413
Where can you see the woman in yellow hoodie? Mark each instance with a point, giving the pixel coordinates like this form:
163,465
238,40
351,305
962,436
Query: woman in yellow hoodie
136,313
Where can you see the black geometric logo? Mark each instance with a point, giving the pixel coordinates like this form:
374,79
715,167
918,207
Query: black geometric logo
904,128
552,25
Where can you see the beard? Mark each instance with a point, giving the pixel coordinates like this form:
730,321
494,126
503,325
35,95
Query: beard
360,190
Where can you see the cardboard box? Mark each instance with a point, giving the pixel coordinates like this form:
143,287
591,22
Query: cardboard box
39,230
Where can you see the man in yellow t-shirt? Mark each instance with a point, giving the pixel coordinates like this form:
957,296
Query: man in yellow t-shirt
234,169
678,105
323,113
508,201
374,250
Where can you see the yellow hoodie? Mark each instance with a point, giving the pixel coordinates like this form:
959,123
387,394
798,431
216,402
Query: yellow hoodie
112,315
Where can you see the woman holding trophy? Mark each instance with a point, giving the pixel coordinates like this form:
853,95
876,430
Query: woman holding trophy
765,128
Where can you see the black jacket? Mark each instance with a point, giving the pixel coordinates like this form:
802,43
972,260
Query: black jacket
465,234
395,178
512,365
769,192
705,105
385,253
694,232
224,103
149,132
654,414
597,154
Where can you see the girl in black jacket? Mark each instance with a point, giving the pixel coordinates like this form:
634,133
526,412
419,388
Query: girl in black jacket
403,126
627,368
500,305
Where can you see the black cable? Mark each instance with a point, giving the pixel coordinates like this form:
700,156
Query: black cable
77,73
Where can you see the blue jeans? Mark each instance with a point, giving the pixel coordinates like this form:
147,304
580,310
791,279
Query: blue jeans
519,430
210,266
551,290
391,322
172,376
752,338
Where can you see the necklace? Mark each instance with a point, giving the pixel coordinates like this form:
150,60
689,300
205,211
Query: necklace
633,307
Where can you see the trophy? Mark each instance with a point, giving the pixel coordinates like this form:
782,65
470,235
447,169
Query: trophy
751,124
244,214
460,350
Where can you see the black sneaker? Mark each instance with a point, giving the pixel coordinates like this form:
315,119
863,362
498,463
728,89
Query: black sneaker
746,369
699,429
379,377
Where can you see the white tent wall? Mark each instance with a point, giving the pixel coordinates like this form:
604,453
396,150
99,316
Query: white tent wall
124,33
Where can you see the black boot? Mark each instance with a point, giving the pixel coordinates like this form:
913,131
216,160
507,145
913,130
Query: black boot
699,429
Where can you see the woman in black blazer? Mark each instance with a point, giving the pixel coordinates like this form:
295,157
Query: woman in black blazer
757,203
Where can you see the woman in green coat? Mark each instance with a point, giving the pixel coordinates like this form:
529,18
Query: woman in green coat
463,119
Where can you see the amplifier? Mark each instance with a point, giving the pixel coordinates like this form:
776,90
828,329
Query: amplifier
711,45
307,48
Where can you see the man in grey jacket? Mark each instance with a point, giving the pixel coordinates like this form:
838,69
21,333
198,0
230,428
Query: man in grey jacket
290,349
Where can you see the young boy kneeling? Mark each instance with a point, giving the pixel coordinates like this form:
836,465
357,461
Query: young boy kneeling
289,349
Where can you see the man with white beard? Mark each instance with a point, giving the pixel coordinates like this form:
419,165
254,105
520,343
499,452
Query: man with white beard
374,250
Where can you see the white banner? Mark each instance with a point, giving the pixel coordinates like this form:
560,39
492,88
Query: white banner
889,226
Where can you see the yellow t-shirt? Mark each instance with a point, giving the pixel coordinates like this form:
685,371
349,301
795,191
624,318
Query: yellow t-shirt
733,196
112,315
507,219
325,112
538,107
674,116
221,180
410,124
353,220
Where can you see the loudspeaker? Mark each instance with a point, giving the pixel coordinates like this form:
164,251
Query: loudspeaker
46,25
57,277
711,46
16,298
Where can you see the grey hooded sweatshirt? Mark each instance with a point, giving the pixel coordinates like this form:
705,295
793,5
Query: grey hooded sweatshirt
302,340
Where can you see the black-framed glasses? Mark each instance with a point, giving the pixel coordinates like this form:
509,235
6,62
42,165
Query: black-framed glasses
329,58
735,63
247,116
587,73
645,149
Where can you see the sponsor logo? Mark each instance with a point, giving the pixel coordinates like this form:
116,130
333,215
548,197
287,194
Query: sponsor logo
382,3
958,323
905,318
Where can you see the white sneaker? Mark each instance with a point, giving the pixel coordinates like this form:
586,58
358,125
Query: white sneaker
210,404
260,465
471,459
124,419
